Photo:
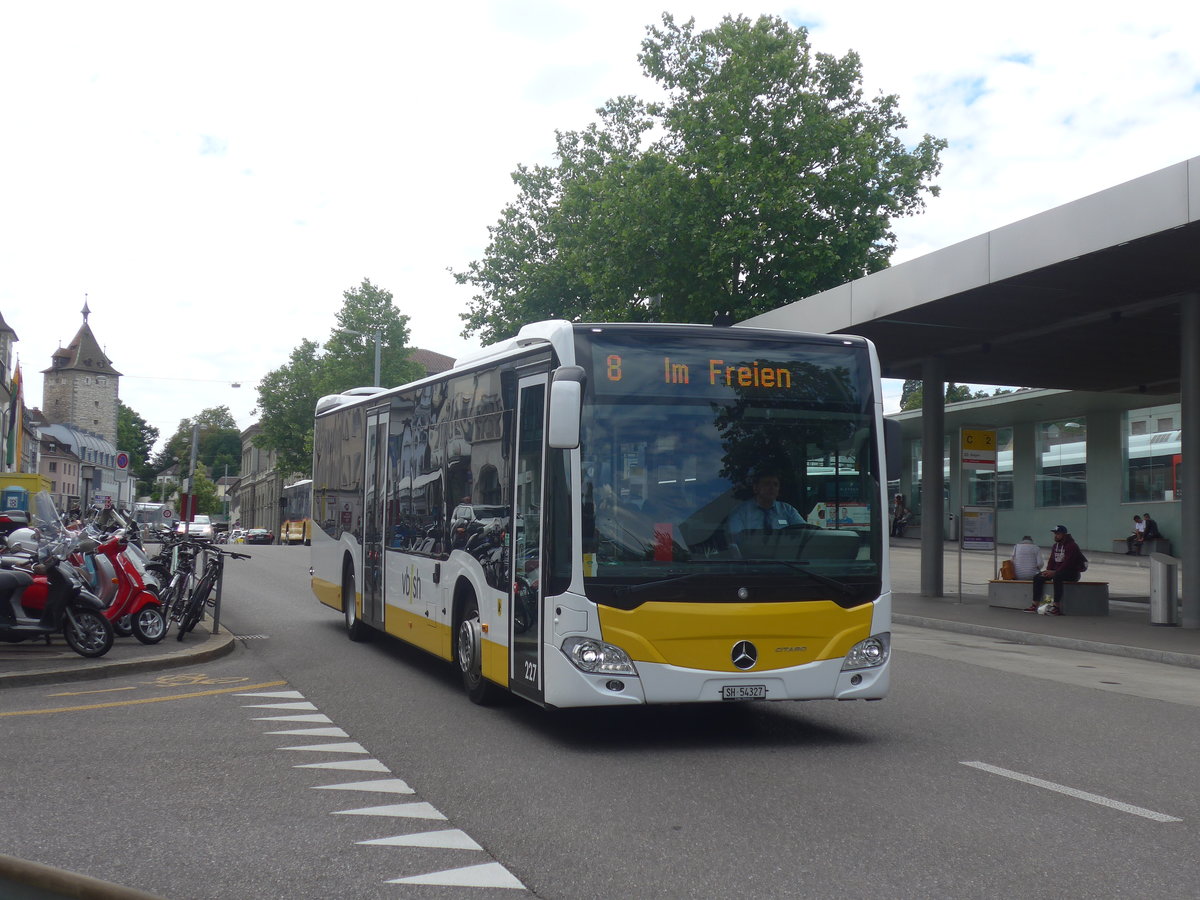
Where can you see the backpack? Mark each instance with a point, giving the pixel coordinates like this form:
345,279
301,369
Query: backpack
1083,562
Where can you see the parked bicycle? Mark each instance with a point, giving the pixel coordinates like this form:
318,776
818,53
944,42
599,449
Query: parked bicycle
202,593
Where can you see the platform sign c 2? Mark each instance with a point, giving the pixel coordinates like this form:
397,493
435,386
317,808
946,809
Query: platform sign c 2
978,448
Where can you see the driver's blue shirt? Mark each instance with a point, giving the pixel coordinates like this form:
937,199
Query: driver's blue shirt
752,517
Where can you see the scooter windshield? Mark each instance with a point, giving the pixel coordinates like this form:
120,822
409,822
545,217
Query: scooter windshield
53,537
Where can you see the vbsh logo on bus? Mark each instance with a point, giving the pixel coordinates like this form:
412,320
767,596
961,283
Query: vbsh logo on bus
410,584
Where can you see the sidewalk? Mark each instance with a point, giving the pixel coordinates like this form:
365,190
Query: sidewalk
38,663
1126,631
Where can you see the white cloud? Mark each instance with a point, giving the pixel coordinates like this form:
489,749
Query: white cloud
213,176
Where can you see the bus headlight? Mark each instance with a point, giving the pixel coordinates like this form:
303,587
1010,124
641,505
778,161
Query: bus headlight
869,653
593,656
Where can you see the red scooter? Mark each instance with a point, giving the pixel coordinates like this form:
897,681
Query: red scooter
119,585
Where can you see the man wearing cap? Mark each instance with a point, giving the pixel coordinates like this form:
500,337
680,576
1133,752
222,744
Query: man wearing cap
1065,564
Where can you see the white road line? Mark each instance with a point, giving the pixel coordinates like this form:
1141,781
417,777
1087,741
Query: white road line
278,695
353,765
486,875
1072,792
347,747
447,839
377,785
302,704
314,717
417,810
313,732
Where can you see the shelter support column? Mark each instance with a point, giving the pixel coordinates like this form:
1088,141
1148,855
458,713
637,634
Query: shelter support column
933,477
1189,408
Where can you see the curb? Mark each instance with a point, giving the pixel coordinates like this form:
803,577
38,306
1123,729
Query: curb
1167,657
35,880
213,647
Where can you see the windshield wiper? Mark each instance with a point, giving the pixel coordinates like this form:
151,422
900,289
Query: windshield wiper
850,590
622,590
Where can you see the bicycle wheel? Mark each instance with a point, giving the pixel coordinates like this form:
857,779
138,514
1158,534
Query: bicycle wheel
198,600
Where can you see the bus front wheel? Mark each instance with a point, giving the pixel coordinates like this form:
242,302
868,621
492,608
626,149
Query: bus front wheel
469,655
356,629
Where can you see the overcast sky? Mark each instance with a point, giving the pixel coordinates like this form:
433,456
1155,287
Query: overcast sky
213,176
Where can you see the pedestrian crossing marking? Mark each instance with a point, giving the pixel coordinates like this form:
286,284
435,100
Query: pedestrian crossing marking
379,785
448,839
417,810
315,717
278,695
485,875
296,706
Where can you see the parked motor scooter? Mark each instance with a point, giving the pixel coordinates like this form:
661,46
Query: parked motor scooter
120,586
36,564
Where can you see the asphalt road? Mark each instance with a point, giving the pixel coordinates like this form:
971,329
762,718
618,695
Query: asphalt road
992,771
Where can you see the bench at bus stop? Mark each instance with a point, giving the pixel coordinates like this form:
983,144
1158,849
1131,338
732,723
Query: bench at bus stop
1154,545
1080,598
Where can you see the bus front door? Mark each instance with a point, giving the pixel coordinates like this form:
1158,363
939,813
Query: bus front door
374,497
525,635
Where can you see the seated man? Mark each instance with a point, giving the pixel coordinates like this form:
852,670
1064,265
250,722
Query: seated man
764,512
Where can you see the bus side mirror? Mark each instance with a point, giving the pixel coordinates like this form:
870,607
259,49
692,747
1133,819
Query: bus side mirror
566,404
893,443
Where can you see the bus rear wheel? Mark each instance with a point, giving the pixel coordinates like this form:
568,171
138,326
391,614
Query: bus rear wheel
356,628
469,655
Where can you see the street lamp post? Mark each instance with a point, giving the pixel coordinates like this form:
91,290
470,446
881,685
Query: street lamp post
378,335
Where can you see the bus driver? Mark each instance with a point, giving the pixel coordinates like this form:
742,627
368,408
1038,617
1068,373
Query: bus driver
764,512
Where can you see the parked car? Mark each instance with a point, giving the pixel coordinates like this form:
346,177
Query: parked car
258,536
200,527
236,535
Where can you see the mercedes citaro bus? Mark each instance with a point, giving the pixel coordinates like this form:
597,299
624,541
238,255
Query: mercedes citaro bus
556,515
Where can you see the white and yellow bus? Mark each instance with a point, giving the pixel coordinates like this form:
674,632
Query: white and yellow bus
553,515
297,513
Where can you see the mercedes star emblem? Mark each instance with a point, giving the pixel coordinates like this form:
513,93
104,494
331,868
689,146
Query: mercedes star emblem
745,655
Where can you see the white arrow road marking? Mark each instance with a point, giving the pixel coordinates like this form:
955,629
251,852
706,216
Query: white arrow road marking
349,747
1072,792
449,839
278,695
418,810
379,785
485,875
354,765
314,732
315,717
296,706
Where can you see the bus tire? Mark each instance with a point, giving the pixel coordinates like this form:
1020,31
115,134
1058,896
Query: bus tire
356,628
468,654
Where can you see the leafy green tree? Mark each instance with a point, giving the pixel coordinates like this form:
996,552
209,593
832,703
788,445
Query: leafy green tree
912,395
287,396
771,177
218,444
205,489
136,437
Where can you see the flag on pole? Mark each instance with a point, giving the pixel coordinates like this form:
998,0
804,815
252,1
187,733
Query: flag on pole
14,420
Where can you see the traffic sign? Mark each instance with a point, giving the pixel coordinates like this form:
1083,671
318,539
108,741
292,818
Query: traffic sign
122,460
168,513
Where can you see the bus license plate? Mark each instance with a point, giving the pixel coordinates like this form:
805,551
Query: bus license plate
744,692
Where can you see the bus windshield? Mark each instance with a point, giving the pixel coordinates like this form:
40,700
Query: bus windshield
728,458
